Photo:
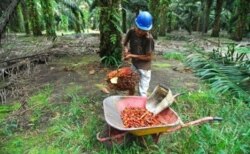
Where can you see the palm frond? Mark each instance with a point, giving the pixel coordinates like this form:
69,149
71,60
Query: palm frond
222,78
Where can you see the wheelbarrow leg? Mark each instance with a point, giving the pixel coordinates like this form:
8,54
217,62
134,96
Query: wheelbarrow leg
144,142
156,137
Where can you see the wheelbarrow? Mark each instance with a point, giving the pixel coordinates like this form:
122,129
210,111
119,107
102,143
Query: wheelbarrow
170,121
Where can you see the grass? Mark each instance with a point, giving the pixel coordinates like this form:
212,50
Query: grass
78,63
73,126
6,109
69,130
173,56
160,65
230,136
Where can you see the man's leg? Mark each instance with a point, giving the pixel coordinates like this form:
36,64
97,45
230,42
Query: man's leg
145,77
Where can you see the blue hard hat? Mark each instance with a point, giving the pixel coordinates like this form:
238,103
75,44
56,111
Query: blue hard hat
144,20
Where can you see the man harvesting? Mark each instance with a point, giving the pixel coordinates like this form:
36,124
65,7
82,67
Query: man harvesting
141,46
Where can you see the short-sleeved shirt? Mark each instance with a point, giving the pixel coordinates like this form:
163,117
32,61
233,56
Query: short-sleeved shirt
139,46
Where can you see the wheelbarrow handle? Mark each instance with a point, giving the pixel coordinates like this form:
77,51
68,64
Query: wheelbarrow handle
218,119
194,123
201,121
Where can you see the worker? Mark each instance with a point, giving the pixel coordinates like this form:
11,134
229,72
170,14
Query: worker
140,48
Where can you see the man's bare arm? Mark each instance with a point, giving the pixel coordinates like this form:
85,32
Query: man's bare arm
146,57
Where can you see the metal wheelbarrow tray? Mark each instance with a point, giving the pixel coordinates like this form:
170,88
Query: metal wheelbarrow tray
114,105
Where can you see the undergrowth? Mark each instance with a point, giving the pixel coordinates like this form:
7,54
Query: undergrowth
72,127
225,71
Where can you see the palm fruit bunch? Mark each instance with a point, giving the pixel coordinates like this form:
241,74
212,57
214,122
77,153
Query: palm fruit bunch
123,79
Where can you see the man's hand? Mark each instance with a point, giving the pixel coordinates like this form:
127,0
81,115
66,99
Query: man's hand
127,56
125,53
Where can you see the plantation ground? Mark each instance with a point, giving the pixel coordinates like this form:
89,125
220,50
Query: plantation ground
61,100
75,56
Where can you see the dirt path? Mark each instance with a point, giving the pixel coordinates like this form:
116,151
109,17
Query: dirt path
175,75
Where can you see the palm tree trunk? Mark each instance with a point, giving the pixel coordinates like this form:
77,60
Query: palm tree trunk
153,7
82,18
4,19
48,17
34,18
20,19
169,22
163,17
163,25
216,25
198,24
208,5
25,17
77,24
110,31
242,11
13,24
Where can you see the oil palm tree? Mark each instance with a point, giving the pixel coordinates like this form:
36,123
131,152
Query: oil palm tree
164,7
25,16
48,17
110,32
208,4
154,10
74,13
34,18
241,14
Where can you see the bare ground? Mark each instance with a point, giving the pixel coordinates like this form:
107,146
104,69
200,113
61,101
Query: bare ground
75,56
